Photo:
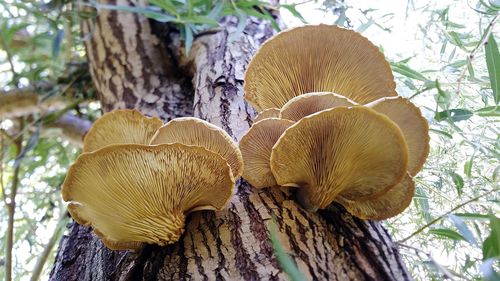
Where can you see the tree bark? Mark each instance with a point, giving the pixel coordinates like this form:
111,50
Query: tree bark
232,244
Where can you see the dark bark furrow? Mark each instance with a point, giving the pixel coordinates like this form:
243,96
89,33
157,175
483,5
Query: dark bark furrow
243,261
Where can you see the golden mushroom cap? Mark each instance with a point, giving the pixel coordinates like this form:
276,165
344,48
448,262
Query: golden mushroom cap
317,58
133,194
256,146
388,205
119,127
354,151
267,113
307,104
413,125
197,132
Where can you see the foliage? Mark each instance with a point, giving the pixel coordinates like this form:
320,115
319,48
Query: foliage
41,53
192,17
453,77
451,231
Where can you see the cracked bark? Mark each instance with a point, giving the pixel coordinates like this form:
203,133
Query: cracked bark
232,244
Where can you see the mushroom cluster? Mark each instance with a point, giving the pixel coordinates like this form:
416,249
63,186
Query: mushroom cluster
137,178
331,123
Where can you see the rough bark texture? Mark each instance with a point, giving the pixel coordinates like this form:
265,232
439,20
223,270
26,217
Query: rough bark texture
232,244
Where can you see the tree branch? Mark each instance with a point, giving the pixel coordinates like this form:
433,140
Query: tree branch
447,213
70,127
18,103
42,259
472,54
11,208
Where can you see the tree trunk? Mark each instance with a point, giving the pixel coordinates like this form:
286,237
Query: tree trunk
133,68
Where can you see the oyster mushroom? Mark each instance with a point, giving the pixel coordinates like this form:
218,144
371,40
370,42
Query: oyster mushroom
256,146
121,126
135,194
194,131
317,58
354,151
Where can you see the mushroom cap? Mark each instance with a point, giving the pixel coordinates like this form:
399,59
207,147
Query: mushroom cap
388,205
133,194
119,127
413,125
317,58
307,104
267,113
256,146
194,131
354,151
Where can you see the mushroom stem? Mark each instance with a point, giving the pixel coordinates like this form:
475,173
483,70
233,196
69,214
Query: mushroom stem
302,196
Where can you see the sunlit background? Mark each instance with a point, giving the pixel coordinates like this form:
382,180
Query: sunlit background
436,50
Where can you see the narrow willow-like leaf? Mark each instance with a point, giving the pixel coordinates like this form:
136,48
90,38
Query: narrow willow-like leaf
463,229
455,115
443,133
493,64
458,181
407,71
293,10
446,233
284,259
491,245
188,39
468,167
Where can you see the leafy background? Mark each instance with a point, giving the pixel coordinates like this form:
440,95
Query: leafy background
445,59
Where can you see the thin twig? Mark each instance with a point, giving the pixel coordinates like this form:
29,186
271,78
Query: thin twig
447,213
2,154
473,53
11,208
42,259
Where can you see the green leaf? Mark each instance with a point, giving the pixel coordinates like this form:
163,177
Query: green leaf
293,10
188,38
463,229
447,233
487,270
443,133
365,26
202,20
403,69
455,39
468,167
455,115
458,181
56,43
493,64
473,216
242,23
216,11
470,69
458,64
165,5
491,245
422,203
443,98
287,264
264,15
489,111
146,12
